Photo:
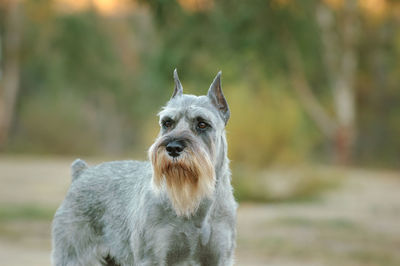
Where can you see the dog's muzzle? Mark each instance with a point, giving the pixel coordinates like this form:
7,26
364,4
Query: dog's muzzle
185,170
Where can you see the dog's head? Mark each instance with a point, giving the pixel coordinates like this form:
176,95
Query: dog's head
190,146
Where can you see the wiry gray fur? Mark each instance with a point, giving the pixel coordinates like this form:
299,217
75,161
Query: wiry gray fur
77,167
112,216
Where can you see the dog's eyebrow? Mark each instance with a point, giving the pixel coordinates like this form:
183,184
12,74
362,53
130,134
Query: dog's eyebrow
171,113
202,113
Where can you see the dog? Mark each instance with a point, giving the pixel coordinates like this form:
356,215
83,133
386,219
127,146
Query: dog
177,208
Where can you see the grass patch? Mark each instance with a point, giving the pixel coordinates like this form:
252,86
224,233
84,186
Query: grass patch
333,223
376,257
25,212
284,185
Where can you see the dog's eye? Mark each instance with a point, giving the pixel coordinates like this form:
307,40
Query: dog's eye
202,125
167,123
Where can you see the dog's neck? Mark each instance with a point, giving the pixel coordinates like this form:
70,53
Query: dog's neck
222,171
202,212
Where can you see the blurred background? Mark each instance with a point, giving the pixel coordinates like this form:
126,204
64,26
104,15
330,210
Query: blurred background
313,88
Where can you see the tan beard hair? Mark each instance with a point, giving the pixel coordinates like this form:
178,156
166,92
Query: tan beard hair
187,179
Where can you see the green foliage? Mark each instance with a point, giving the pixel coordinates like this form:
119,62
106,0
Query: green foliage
255,114
92,84
42,128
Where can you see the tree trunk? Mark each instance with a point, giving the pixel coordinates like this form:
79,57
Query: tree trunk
339,42
344,91
9,79
341,62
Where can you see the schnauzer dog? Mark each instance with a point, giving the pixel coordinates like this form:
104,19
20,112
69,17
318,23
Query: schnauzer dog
177,209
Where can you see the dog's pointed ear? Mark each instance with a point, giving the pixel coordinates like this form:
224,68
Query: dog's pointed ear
218,99
178,90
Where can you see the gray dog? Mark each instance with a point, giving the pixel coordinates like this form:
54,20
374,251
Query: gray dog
177,209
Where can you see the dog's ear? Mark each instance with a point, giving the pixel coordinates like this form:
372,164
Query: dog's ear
178,90
218,99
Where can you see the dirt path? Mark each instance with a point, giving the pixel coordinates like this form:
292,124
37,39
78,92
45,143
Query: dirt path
357,224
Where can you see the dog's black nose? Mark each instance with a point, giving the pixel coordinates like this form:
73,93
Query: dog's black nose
174,148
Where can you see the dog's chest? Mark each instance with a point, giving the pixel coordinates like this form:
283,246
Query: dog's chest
189,247
185,245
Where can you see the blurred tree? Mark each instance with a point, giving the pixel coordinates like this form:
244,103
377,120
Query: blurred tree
89,80
79,80
339,34
317,44
10,38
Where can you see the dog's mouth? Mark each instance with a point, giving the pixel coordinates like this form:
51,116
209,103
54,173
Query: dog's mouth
178,168
174,159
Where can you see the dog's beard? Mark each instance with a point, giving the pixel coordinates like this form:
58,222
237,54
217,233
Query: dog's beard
187,179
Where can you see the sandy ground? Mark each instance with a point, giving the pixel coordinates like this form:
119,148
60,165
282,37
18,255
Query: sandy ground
355,224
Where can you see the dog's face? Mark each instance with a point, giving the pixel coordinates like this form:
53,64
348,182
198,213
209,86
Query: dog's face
188,148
